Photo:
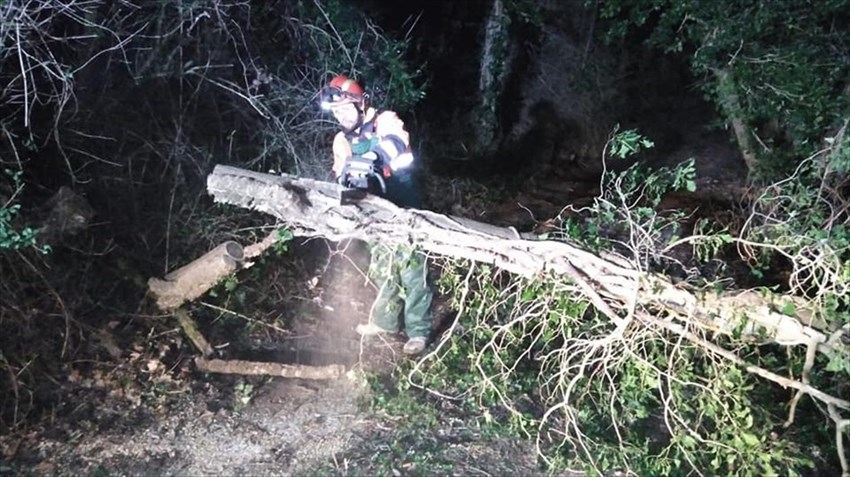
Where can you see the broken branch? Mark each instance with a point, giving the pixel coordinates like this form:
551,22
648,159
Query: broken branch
193,280
256,368
192,331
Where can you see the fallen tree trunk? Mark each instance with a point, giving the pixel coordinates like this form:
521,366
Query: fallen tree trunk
312,208
257,368
611,283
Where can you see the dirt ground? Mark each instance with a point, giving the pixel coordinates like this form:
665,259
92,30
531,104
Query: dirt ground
181,422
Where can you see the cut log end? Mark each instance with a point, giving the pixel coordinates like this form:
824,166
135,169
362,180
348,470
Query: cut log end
193,280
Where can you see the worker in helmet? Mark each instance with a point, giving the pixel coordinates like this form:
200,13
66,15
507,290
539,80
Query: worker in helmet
400,271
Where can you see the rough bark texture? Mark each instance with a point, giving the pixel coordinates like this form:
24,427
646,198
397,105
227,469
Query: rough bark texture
311,208
256,368
494,68
732,106
193,280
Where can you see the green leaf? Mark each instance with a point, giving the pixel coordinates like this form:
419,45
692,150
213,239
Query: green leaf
789,309
689,441
836,364
750,439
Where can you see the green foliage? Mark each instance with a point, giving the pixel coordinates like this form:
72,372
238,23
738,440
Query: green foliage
529,356
243,392
283,238
391,394
408,442
625,214
712,239
230,283
229,290
641,185
786,59
628,143
799,220
12,238
226,287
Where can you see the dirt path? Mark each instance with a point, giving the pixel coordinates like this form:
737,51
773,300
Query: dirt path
196,424
288,428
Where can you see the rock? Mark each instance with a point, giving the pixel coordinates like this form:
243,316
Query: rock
68,214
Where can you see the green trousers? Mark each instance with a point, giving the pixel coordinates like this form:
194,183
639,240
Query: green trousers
402,277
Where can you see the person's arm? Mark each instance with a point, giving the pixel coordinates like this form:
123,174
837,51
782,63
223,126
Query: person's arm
341,151
393,145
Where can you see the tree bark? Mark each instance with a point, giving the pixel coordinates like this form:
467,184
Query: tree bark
494,68
311,208
193,280
731,103
256,368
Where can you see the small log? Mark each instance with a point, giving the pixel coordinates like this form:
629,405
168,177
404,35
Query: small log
256,368
193,280
192,331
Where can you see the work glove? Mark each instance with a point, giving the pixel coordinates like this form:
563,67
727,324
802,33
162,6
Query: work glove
402,161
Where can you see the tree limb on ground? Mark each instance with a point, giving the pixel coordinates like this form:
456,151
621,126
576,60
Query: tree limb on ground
194,279
191,329
312,208
256,368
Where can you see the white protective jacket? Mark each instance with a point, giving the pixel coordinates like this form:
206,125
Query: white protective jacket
382,133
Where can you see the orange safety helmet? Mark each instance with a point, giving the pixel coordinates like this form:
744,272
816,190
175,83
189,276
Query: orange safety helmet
342,90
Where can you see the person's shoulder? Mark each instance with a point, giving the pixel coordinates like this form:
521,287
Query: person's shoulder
387,115
387,120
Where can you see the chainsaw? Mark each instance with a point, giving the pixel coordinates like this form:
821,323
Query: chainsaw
362,175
